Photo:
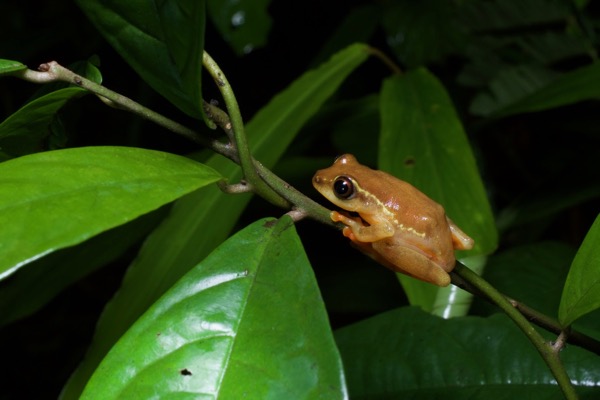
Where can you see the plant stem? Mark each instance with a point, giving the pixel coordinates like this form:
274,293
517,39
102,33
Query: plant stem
385,60
543,321
52,72
552,325
237,125
295,198
546,350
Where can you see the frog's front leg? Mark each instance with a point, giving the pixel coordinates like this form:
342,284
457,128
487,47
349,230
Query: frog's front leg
358,232
413,263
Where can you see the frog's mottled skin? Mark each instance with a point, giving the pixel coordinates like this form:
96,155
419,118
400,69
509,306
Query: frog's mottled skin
399,226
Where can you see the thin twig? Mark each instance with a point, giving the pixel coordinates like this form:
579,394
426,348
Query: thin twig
551,325
545,349
53,71
239,134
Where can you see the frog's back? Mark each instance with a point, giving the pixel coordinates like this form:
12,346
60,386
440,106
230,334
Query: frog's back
401,196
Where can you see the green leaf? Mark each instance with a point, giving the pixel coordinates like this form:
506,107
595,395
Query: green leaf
575,86
22,132
420,32
501,15
533,274
422,142
244,24
162,41
550,47
581,293
182,22
510,85
56,199
10,66
174,247
29,289
248,321
289,110
407,354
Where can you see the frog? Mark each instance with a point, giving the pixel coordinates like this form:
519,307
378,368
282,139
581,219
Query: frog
392,221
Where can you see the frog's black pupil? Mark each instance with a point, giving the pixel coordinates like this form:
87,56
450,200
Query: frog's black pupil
343,188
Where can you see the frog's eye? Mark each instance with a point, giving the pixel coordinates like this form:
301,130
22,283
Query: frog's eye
343,188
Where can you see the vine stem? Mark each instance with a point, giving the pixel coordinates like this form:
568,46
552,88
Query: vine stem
239,135
53,71
295,199
549,353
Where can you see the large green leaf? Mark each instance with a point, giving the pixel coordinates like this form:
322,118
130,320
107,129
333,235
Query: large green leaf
22,132
248,321
244,24
203,219
422,141
29,289
408,354
163,42
56,199
581,293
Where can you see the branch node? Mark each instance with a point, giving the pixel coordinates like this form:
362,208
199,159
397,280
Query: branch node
297,214
561,341
235,188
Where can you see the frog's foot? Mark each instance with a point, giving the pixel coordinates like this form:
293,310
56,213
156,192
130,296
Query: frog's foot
351,222
347,231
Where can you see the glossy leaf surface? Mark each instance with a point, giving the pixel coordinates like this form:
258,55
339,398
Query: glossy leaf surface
409,354
203,219
422,142
56,199
162,41
248,321
581,293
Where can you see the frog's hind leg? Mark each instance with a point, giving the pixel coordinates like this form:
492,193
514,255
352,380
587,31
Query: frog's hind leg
412,263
